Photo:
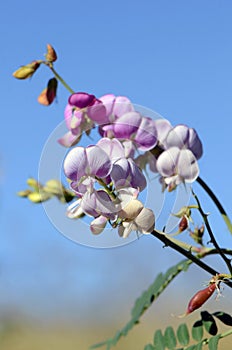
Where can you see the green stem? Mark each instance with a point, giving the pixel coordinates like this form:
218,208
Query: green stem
58,77
216,202
212,237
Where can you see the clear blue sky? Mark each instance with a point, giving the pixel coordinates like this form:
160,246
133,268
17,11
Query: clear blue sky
174,57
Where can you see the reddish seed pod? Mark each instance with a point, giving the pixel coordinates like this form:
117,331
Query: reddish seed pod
183,224
200,298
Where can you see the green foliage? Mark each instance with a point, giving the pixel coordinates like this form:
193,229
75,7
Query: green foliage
171,340
145,301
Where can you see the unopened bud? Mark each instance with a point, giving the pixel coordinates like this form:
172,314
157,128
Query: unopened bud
197,234
48,95
131,210
183,224
27,71
33,183
24,193
51,55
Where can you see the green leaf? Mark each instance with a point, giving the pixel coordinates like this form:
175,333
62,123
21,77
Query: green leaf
159,342
209,323
149,347
170,338
146,299
183,334
223,317
197,330
213,342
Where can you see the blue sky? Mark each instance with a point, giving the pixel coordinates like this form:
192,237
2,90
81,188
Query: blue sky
173,57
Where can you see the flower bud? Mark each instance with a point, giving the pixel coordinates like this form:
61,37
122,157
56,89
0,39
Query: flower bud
51,55
183,224
131,210
48,95
197,234
27,71
201,297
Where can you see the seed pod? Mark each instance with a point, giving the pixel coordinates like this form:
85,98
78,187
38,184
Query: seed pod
200,298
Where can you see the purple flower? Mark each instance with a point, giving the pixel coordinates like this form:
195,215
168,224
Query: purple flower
141,130
78,116
183,137
83,165
177,165
125,173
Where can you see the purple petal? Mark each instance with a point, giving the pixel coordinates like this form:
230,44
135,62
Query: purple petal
138,180
120,173
81,99
126,126
99,163
167,161
75,163
194,143
146,135
97,113
98,203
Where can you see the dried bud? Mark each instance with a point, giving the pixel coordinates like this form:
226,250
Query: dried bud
201,297
183,224
27,71
48,95
51,55
197,234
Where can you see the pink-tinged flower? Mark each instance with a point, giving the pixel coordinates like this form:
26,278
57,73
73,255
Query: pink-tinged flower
142,220
125,173
177,165
79,114
116,106
83,165
98,225
183,137
141,130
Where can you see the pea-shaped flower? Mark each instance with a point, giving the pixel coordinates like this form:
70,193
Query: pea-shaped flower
83,165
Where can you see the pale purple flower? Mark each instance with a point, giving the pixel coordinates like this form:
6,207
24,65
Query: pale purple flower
98,202
141,130
83,165
125,173
177,165
116,106
183,137
112,147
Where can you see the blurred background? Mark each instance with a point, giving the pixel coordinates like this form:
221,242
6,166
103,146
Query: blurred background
173,57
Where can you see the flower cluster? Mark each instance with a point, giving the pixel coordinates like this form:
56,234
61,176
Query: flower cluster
107,177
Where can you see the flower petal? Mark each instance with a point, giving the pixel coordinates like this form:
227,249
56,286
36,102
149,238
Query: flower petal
98,224
99,163
75,163
187,166
167,161
145,221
